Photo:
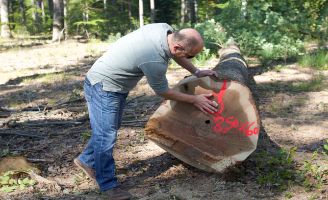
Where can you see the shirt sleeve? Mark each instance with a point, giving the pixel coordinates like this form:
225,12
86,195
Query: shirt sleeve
155,73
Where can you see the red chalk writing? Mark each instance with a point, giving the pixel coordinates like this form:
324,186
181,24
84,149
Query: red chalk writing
224,124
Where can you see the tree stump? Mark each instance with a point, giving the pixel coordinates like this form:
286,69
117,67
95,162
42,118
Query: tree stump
211,142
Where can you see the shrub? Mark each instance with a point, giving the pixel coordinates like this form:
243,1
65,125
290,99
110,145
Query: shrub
213,33
317,60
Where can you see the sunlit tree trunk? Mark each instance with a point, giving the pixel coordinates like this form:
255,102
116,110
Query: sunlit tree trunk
5,30
58,20
196,10
105,4
65,17
152,11
22,11
183,12
141,13
244,8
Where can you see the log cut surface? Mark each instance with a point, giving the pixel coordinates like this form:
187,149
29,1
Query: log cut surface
211,142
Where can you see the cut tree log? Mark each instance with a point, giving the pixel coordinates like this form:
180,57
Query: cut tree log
211,142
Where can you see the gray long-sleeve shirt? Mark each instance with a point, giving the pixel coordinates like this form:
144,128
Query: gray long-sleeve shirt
142,52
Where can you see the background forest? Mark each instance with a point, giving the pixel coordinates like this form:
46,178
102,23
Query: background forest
266,28
47,46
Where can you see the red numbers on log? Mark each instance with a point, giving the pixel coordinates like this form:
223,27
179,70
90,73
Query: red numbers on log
224,124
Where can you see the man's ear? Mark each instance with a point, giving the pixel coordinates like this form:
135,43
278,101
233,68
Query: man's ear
177,47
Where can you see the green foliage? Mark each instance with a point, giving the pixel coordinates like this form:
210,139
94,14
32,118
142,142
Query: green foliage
4,152
75,95
203,57
86,135
314,175
315,84
317,60
267,28
281,171
276,170
213,33
13,180
285,48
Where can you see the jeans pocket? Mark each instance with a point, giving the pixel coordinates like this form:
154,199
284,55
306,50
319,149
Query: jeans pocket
87,90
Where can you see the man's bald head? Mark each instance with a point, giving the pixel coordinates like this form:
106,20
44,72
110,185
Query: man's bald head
189,38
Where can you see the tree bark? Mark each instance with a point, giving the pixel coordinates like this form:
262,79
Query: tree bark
211,142
58,20
141,21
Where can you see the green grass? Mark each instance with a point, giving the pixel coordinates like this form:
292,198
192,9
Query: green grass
279,170
50,78
315,84
318,60
200,61
278,68
14,180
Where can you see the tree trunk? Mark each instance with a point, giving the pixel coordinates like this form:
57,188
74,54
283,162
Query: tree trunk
51,7
130,14
22,11
211,142
5,30
196,10
105,4
42,11
152,11
65,17
35,15
141,21
183,12
191,11
244,8
58,20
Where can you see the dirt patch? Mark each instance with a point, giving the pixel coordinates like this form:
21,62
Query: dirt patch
45,121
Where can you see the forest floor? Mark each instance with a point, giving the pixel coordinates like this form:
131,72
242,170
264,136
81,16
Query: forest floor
43,119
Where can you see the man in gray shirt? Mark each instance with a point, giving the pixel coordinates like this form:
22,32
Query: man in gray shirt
144,52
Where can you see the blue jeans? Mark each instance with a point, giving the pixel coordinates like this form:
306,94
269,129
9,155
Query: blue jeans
105,113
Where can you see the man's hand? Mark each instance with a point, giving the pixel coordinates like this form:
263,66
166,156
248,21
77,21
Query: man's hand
207,72
203,103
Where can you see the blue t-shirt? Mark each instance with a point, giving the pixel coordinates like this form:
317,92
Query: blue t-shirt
144,52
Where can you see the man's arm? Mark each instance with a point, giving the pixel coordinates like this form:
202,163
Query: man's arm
185,63
200,101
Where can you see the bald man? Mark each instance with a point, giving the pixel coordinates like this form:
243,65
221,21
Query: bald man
144,52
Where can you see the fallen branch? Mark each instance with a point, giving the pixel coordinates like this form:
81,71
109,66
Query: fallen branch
39,160
67,102
137,97
133,125
20,134
40,108
51,123
42,180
